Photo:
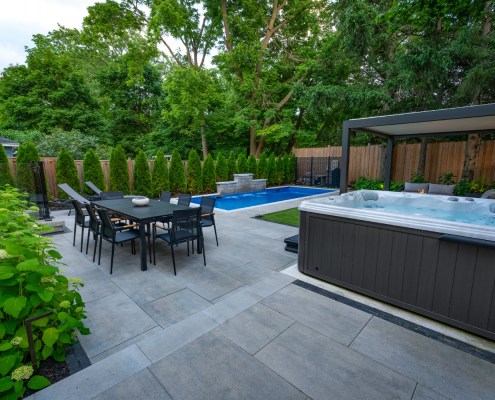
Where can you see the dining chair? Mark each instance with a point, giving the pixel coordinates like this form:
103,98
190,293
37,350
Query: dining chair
165,196
207,216
186,225
184,199
111,195
79,220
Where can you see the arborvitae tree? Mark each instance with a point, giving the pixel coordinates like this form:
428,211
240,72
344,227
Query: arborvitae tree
286,169
5,174
119,172
159,178
221,169
252,166
242,165
93,173
280,170
194,179
271,170
26,154
209,180
67,173
142,176
262,166
232,166
292,169
176,174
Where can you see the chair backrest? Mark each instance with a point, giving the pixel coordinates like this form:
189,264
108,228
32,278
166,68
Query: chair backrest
184,199
165,196
186,224
107,229
79,212
207,207
93,221
72,193
111,195
92,186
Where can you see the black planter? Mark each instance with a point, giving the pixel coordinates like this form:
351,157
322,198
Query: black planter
475,195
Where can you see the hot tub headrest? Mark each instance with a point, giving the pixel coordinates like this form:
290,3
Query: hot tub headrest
492,208
370,196
453,199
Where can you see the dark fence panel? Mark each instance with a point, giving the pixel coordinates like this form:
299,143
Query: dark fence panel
318,171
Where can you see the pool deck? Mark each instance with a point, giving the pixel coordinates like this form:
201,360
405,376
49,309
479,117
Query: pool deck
242,328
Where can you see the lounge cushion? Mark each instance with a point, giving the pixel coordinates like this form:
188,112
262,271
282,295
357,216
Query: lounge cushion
416,187
447,190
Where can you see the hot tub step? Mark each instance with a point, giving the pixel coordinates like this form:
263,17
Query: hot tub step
292,244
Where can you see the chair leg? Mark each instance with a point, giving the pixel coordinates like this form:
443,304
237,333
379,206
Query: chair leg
99,251
87,240
82,237
173,258
154,250
215,228
96,245
203,245
188,248
75,227
111,260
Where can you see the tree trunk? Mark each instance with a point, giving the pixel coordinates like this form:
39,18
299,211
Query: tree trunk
383,160
204,143
422,156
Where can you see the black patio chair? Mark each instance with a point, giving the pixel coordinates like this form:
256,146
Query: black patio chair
79,220
165,196
74,195
93,187
186,225
111,195
184,199
207,215
109,233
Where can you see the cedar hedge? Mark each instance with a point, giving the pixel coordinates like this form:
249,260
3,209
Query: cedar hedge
221,168
232,166
119,172
93,172
209,180
194,178
6,177
67,173
176,174
262,166
159,178
142,176
252,166
242,165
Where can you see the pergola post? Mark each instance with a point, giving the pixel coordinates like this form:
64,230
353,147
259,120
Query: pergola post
346,148
388,167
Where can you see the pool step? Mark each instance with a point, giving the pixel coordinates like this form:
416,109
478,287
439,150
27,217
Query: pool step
292,244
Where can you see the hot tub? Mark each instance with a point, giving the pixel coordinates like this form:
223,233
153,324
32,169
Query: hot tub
434,255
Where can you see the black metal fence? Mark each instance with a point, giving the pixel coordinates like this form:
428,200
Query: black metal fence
318,171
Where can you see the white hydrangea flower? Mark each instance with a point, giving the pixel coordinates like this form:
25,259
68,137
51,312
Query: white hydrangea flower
73,335
65,304
16,341
79,309
4,254
50,289
48,278
23,372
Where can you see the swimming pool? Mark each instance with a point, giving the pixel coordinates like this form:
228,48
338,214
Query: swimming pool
249,199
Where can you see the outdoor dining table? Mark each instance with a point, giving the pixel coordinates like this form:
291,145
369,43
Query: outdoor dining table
144,215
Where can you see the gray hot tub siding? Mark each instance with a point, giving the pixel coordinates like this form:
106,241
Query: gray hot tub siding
410,268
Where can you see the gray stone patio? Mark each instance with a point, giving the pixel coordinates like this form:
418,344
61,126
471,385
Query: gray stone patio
239,329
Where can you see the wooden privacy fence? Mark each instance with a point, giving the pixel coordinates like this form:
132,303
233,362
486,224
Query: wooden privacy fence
441,158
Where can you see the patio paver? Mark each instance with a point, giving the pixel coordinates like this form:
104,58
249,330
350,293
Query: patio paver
422,393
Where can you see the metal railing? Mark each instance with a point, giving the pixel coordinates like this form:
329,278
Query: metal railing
318,171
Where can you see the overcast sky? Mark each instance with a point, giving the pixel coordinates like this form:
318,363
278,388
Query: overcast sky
21,19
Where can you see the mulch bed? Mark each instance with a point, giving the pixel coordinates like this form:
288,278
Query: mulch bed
52,370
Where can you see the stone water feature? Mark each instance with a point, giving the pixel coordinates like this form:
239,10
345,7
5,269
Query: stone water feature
241,183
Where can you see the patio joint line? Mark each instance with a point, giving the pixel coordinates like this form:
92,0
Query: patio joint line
365,325
422,330
414,391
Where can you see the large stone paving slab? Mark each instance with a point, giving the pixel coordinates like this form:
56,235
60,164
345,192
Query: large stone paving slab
324,369
255,327
422,393
336,320
113,320
441,368
214,368
96,285
175,307
250,273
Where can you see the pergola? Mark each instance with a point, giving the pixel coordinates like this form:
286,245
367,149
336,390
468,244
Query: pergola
451,121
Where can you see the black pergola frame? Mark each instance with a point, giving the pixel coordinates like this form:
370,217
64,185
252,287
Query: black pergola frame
365,125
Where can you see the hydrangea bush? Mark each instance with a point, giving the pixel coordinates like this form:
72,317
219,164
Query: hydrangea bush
32,284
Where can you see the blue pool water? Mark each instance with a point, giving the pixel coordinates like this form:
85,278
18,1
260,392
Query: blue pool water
249,199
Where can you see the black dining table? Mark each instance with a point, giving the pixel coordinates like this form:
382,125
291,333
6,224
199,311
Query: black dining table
144,215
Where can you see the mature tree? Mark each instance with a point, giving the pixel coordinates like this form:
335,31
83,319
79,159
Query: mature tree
159,177
67,173
176,174
221,169
194,177
142,176
6,177
209,179
93,172
119,172
232,166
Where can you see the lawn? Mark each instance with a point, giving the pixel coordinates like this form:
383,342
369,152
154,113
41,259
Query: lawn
289,217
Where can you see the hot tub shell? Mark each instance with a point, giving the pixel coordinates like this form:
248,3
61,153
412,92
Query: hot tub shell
441,269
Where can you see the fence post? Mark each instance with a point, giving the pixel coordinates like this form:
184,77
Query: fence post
311,173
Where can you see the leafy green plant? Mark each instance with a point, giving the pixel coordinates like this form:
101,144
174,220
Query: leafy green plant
221,168
396,186
292,168
93,172
262,163
159,177
478,186
286,168
446,179
67,173
24,172
194,178
242,165
232,166
271,170
252,166
176,175
280,171
32,284
416,178
119,171
5,173
209,180
369,184
142,176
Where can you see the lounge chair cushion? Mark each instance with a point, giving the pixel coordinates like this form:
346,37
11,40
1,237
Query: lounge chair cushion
416,187
447,190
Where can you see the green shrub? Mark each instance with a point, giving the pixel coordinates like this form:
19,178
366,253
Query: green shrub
194,178
209,179
252,166
6,177
376,184
446,179
119,171
242,165
478,186
176,175
93,172
416,178
232,166
286,169
24,172
159,178
292,169
142,176
271,170
280,170
31,284
221,169
67,173
262,166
